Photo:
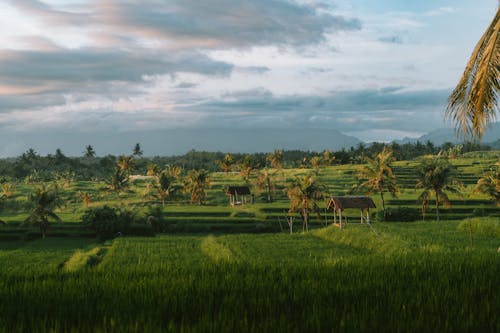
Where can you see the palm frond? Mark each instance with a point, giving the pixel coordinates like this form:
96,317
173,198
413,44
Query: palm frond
474,102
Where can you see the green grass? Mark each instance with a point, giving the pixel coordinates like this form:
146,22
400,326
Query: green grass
352,279
229,269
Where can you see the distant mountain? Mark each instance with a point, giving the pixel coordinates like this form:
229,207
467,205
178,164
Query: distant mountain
442,135
176,141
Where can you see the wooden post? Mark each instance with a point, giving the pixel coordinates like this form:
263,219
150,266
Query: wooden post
340,216
361,216
368,215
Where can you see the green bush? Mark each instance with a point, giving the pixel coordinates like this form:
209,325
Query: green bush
103,220
399,214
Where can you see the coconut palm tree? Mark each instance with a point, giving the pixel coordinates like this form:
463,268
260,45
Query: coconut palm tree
85,197
489,184
474,102
137,151
165,187
436,175
328,157
304,193
316,164
195,184
44,200
126,164
276,159
377,176
265,181
118,181
226,165
153,169
246,167
174,171
89,152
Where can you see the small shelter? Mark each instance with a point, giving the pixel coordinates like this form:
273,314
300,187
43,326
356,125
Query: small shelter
338,204
234,191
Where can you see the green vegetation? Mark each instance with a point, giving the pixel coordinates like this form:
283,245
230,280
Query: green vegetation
212,267
403,277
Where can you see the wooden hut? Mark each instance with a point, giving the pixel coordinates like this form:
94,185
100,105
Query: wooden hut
338,204
234,191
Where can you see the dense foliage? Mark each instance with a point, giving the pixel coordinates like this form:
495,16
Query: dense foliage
32,165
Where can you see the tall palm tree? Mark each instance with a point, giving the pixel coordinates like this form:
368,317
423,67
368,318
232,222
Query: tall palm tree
328,157
195,184
436,175
265,181
474,102
137,151
304,194
226,164
276,159
44,200
89,151
118,181
489,184
153,169
165,187
246,167
377,176
316,163
174,171
126,163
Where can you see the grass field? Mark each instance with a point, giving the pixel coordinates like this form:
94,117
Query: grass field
396,277
229,269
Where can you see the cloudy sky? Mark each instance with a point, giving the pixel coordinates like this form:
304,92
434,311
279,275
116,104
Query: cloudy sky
377,70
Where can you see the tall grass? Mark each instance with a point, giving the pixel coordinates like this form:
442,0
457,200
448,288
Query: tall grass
314,282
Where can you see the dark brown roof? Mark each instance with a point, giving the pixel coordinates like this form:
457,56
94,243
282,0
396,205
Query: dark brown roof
240,190
351,202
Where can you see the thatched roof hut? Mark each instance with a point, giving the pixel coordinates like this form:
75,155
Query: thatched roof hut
234,191
338,204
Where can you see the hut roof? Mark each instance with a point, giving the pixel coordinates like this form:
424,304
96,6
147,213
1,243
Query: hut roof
351,202
241,190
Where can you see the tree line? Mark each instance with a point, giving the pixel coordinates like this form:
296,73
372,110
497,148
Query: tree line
30,164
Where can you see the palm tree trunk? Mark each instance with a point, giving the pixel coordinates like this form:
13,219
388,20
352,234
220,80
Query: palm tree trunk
383,205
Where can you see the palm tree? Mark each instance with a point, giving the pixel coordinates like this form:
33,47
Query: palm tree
165,187
265,181
377,176
137,151
435,176
118,181
489,184
246,168
174,171
85,197
276,159
316,164
126,164
8,190
153,169
226,165
44,200
195,184
89,152
328,158
304,194
474,102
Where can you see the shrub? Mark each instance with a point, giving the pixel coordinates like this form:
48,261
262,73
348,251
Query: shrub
103,220
399,214
481,226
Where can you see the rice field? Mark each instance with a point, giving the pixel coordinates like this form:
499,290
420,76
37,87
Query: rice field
396,277
232,269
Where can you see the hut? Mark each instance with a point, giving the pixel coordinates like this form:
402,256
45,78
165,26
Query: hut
338,204
234,191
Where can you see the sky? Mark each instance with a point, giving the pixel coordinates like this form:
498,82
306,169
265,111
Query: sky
377,70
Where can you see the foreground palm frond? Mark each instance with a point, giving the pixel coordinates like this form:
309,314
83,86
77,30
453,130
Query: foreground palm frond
474,102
